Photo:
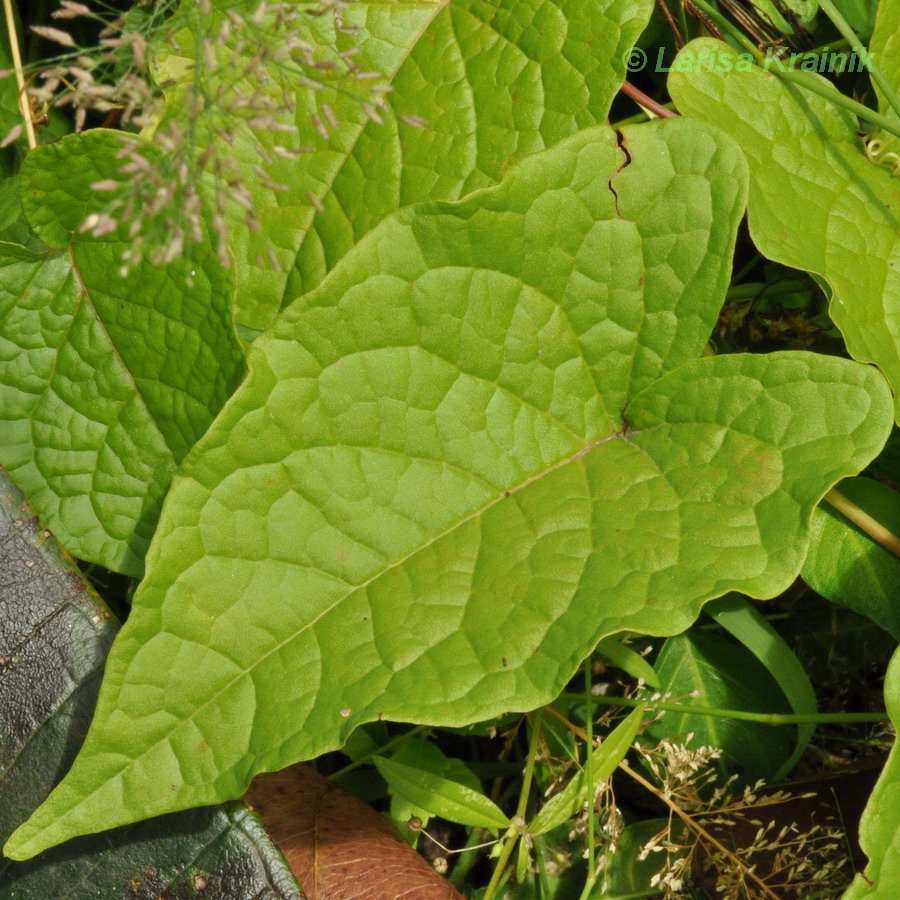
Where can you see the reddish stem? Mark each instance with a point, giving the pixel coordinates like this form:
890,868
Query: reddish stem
629,90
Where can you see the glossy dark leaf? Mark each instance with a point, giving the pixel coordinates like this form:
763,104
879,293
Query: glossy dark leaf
54,636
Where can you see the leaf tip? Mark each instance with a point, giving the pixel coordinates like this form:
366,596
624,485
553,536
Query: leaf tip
24,843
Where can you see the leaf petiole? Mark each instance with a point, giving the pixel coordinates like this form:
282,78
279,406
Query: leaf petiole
861,519
589,773
824,89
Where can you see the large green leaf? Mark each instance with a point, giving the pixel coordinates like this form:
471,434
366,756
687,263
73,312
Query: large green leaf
879,830
816,201
54,636
494,81
483,443
107,381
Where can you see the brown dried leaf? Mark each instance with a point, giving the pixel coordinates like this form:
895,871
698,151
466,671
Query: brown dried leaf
338,847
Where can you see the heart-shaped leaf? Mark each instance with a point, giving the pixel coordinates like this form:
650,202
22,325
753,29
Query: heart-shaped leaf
816,201
483,443
108,380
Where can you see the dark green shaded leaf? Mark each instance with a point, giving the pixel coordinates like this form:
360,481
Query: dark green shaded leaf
54,636
744,621
709,671
833,643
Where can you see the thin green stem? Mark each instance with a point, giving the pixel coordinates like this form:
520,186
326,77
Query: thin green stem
652,892
514,832
682,16
508,843
829,92
763,718
861,519
745,270
830,47
546,890
636,119
466,860
742,620
850,35
589,775
522,807
754,291
378,751
20,73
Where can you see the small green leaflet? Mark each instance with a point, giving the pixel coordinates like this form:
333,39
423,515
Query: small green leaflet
441,796
624,658
560,807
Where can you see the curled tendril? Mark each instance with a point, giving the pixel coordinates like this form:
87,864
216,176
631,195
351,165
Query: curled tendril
875,153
